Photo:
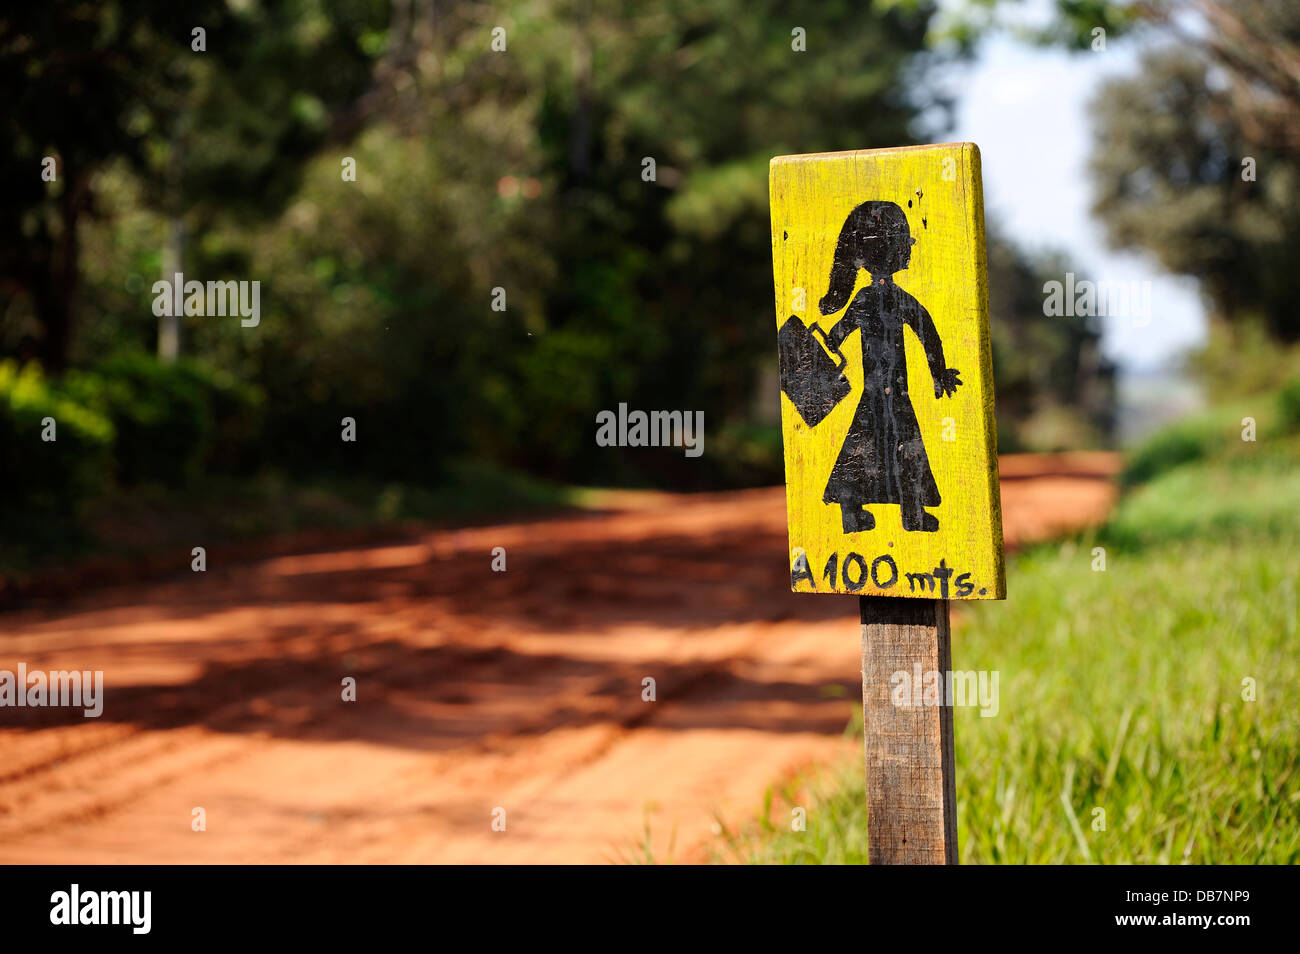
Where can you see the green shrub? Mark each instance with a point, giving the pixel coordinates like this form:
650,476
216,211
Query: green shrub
43,482
235,410
1166,450
1195,438
171,420
1288,406
1216,433
160,416
743,455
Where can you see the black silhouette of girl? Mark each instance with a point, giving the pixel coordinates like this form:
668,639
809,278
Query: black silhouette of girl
883,459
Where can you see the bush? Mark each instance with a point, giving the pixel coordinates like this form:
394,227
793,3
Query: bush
237,436
1215,433
1288,406
44,482
1170,448
171,420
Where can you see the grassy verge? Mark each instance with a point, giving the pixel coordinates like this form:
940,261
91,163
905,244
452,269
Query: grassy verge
1127,730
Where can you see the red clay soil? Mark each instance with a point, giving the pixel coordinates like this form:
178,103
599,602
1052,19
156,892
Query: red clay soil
475,690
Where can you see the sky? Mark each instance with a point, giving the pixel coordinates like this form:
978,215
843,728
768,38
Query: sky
1027,110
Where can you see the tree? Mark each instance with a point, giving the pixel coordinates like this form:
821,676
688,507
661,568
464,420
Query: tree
1253,45
76,73
525,169
217,121
1179,173
1054,387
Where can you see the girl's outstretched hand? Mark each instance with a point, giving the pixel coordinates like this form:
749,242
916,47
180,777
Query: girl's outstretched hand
947,382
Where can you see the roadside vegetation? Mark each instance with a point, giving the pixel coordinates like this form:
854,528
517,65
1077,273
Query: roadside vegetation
1148,712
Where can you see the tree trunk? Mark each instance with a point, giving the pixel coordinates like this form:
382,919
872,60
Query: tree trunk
169,326
55,297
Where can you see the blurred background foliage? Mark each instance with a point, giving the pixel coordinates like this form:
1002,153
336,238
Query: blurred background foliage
1196,162
521,169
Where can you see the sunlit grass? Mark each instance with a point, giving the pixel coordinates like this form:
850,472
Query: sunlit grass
1124,733
1120,691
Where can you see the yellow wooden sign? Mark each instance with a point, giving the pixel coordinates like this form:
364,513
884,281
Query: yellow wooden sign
882,315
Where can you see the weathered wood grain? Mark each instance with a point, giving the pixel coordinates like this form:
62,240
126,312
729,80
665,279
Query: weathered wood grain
911,789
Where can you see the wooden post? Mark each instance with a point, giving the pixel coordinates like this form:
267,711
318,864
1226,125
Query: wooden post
911,771
891,468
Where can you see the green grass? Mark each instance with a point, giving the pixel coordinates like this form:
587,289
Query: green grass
1216,434
1248,494
1121,690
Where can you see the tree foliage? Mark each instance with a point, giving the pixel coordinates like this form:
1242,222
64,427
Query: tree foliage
1197,158
1178,176
218,119
604,177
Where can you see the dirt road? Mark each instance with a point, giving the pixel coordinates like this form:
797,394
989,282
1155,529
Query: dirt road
475,690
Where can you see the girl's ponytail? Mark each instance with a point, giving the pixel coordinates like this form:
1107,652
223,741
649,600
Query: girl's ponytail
844,269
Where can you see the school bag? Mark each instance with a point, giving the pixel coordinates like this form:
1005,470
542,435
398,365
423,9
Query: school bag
812,379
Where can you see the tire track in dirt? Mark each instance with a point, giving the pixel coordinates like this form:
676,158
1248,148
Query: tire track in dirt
475,690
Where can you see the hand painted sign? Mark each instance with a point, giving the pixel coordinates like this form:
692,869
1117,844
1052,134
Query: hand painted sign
883,336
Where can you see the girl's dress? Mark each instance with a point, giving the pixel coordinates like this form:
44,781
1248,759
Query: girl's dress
883,459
